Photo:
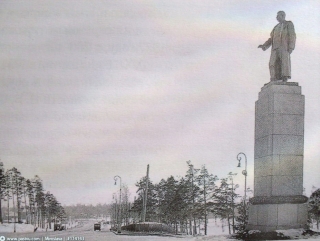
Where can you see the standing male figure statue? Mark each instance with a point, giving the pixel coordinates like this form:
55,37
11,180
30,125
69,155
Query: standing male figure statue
283,39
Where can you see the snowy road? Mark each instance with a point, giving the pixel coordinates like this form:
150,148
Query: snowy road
83,233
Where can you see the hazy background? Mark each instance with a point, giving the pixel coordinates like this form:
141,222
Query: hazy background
94,89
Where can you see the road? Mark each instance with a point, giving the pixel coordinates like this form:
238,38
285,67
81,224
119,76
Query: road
83,233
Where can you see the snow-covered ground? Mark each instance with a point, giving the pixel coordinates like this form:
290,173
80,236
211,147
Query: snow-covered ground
20,228
216,227
29,228
297,234
219,230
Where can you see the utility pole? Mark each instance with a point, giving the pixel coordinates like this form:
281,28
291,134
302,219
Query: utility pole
205,204
192,188
142,213
232,205
159,212
145,196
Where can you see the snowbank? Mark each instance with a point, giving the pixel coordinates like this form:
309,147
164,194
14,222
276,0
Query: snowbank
292,233
29,228
20,228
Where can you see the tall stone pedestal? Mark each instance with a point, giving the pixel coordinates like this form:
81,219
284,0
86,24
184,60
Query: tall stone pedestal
278,202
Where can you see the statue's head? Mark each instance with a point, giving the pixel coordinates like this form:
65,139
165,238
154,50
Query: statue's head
281,16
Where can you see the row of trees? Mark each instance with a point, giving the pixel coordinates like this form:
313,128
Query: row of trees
27,197
314,208
185,202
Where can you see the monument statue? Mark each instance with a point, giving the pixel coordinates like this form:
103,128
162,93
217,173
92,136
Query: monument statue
282,40
278,202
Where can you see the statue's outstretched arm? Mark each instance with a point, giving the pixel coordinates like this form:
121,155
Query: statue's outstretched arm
268,43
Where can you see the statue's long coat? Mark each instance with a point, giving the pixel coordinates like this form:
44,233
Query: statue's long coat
279,64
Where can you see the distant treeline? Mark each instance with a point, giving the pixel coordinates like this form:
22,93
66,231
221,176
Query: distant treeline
87,211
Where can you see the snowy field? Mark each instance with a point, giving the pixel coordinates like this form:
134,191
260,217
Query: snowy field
217,230
20,228
216,227
28,228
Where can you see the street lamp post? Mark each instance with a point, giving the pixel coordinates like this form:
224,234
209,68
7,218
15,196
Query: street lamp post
232,198
119,220
115,220
244,172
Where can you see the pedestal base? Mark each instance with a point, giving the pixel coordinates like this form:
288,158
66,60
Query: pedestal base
271,217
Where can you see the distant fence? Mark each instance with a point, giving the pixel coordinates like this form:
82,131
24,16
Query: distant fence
149,227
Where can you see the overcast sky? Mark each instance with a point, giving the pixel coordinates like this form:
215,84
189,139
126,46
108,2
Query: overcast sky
94,89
